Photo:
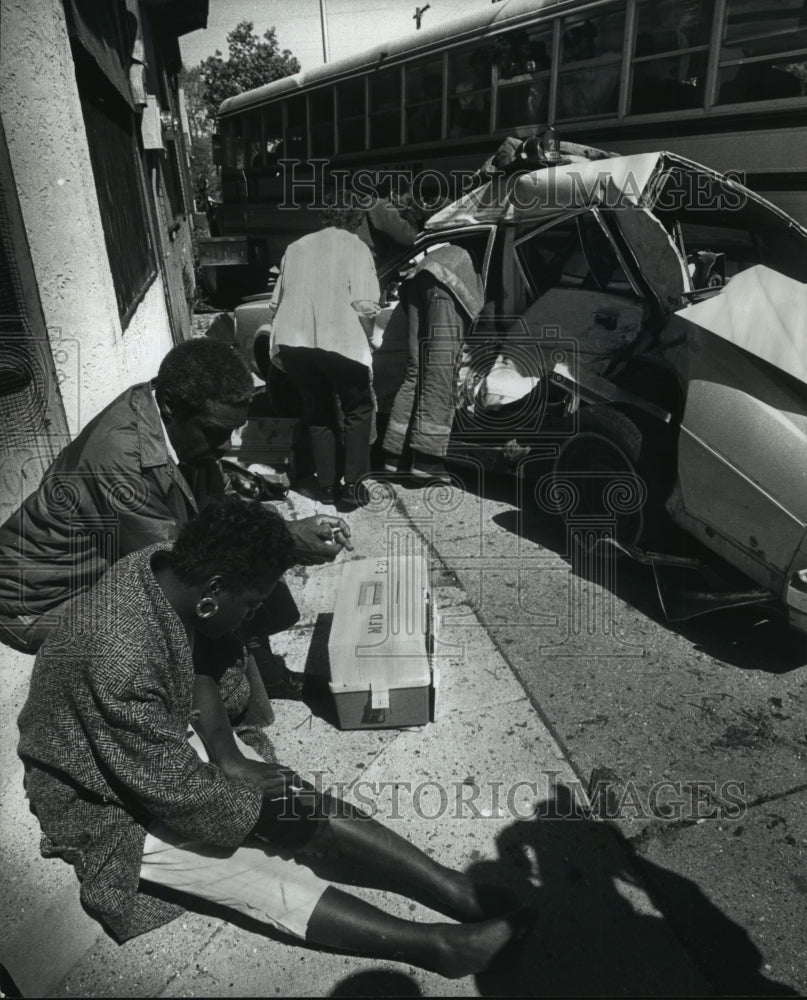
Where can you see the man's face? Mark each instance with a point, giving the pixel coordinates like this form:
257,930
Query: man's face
205,436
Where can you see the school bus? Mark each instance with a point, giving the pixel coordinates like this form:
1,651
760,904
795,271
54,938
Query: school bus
722,82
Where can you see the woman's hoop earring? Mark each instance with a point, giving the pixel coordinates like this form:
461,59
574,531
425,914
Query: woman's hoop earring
206,607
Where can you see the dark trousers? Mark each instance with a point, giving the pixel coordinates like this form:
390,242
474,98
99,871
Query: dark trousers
319,375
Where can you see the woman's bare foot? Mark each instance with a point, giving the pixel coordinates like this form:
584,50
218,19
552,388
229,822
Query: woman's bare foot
466,949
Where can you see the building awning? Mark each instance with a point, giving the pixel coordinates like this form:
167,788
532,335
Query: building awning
183,15
106,32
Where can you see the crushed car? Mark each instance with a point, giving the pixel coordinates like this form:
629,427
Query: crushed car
640,361
644,334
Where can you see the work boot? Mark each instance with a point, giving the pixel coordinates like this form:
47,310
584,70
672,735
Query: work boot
354,495
429,467
327,495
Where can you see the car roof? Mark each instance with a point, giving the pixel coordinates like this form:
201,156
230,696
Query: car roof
616,181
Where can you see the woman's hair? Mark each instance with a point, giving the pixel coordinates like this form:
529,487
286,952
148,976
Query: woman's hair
244,543
342,213
202,371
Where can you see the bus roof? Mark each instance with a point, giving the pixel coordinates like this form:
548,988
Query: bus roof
508,14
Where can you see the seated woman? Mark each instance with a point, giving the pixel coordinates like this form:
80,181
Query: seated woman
137,790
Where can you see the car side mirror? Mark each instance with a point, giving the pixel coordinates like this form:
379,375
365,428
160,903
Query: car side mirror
392,294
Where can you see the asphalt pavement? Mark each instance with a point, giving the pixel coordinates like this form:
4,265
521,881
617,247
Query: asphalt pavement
559,683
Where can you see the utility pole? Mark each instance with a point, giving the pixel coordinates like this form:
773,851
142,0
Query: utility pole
418,15
324,20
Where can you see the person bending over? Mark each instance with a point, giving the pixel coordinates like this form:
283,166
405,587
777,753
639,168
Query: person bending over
137,788
134,475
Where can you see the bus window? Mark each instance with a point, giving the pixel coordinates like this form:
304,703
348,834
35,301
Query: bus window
238,142
350,112
296,144
424,100
764,51
670,55
273,130
320,116
469,92
253,140
523,59
228,151
385,108
591,55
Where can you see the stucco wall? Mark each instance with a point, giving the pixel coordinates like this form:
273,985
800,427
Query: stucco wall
41,111
147,338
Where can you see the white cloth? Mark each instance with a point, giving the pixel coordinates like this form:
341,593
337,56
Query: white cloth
168,446
321,274
254,879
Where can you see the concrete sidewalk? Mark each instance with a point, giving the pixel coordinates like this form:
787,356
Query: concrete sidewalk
465,788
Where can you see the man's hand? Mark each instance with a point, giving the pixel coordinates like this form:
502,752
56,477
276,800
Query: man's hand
276,782
319,539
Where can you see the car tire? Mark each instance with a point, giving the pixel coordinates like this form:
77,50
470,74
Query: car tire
607,442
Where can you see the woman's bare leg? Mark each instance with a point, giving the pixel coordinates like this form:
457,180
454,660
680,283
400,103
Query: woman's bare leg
367,843
454,950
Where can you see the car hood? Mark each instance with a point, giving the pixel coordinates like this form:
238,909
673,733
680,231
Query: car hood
763,312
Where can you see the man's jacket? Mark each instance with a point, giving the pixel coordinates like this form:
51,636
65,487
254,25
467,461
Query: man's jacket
111,491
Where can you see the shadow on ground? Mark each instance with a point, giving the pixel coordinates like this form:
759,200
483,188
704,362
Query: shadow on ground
590,939
589,934
751,638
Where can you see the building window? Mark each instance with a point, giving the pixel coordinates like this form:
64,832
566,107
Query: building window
116,165
173,180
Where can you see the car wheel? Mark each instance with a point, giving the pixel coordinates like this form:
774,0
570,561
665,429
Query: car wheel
603,464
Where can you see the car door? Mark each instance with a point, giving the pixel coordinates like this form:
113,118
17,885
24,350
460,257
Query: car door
742,452
578,296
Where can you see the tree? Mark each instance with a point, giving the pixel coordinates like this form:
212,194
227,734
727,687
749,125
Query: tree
203,172
251,62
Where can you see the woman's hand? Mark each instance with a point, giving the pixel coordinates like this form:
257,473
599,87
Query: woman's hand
275,781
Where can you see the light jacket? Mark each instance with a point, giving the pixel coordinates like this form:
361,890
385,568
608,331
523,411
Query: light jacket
321,274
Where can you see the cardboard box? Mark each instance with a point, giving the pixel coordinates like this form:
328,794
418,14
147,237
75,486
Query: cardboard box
381,644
